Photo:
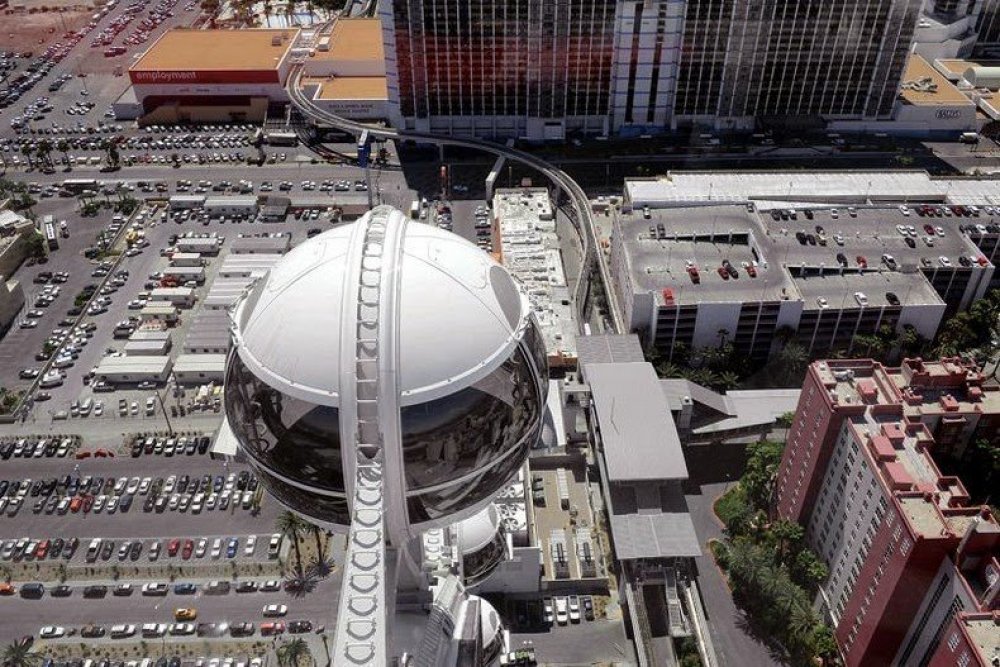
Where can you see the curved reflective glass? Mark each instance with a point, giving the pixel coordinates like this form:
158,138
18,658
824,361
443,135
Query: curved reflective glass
295,438
480,564
320,507
433,505
458,434
535,343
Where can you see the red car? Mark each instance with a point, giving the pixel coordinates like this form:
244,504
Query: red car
88,502
188,548
75,504
173,546
42,549
272,628
929,229
862,262
722,272
693,272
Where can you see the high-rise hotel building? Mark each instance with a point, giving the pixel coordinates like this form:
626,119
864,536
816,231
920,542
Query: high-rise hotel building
547,68
914,571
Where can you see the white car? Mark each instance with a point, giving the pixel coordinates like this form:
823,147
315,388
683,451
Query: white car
181,629
905,210
944,261
861,298
275,610
562,613
52,632
250,546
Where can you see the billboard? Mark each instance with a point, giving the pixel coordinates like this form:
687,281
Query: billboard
203,76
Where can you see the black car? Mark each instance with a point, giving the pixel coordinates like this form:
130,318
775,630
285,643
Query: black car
57,547
819,229
962,259
147,506
588,607
801,237
136,549
809,214
70,549
93,632
125,504
810,239
95,591
203,443
241,629
892,298
246,587
300,626
107,549
182,483
185,589
61,591
910,242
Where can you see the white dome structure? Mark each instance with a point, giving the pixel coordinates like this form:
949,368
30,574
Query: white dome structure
439,343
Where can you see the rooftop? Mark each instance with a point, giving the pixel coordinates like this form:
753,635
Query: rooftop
189,49
819,188
640,441
786,264
608,348
355,39
529,248
353,88
983,631
651,520
924,85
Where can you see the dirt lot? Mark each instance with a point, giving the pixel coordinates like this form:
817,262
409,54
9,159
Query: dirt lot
35,30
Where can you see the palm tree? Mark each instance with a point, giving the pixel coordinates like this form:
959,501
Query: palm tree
291,526
17,654
44,152
290,12
727,380
63,147
318,533
801,623
291,653
27,152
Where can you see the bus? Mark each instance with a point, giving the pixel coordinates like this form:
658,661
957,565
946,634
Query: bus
78,185
50,235
281,138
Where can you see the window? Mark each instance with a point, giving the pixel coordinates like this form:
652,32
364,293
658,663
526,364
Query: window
905,548
953,641
964,659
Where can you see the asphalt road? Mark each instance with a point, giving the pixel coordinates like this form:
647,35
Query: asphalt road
23,617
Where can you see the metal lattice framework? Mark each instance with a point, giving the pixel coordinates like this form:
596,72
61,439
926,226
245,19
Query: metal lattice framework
363,612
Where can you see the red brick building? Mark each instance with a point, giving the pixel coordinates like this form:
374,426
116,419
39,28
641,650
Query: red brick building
906,553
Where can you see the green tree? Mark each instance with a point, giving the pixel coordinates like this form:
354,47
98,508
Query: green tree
63,146
787,535
27,151
763,459
726,381
44,152
808,570
318,534
35,245
17,654
293,653
291,526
